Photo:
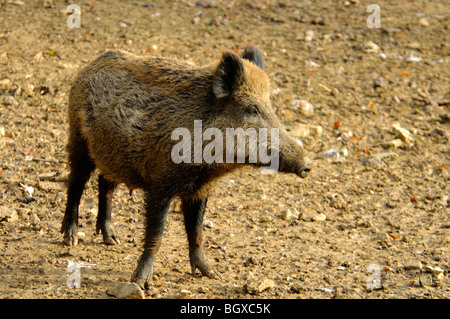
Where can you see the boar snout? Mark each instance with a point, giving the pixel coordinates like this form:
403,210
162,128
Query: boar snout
292,156
296,163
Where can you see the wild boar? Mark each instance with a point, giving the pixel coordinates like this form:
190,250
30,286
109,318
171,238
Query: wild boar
123,112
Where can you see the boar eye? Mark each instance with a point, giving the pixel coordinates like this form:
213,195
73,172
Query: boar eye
252,110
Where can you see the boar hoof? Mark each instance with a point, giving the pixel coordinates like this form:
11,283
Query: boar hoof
205,269
70,240
111,240
142,280
109,235
142,275
70,234
143,283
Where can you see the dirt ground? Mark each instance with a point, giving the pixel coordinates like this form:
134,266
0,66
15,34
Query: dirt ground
370,222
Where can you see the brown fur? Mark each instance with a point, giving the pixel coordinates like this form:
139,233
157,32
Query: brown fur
122,111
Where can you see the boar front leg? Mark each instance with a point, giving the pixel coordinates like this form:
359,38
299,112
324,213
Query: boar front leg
156,215
194,210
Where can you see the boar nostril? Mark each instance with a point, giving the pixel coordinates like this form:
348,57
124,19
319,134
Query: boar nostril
306,167
304,172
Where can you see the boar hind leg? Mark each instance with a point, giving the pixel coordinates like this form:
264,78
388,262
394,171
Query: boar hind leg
194,210
156,215
104,224
81,167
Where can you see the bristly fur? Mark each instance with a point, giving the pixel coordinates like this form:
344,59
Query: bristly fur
125,107
122,111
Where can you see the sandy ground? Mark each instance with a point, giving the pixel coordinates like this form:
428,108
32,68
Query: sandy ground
371,222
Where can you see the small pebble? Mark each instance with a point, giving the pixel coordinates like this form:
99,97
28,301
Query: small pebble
257,286
413,265
321,217
8,215
396,143
379,82
309,35
319,21
312,64
297,288
372,161
343,152
203,290
305,108
335,154
424,22
126,290
26,199
184,294
208,224
434,270
34,219
425,280
290,213
334,92
413,58
402,133
371,47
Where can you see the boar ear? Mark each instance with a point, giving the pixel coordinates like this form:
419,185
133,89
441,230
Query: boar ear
229,75
254,55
